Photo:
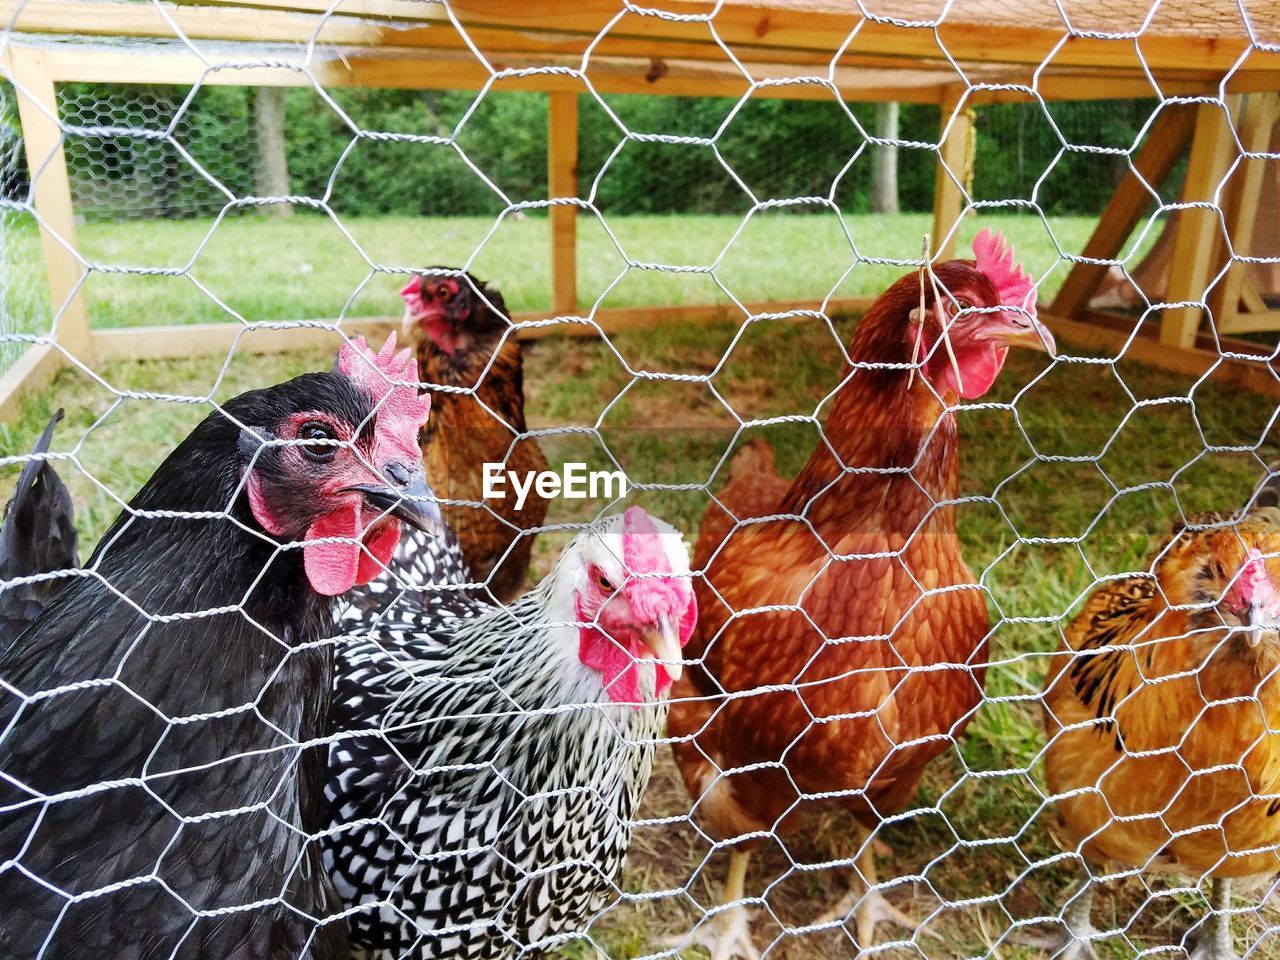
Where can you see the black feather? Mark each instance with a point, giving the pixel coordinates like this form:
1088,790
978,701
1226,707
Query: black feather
38,536
164,752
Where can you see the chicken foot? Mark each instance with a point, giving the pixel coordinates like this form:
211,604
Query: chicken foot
869,906
1075,942
728,934
1214,939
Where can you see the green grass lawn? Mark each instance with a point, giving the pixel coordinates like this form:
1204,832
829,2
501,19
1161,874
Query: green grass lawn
1040,529
311,267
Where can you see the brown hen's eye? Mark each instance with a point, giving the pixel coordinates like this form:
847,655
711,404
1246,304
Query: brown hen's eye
443,292
317,441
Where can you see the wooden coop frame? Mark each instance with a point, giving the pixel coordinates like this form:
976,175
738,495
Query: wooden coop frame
1007,50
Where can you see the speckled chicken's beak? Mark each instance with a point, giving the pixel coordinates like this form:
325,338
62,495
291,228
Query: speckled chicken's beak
1033,335
664,641
414,503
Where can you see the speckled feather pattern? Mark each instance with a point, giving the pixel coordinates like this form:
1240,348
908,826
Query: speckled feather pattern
482,790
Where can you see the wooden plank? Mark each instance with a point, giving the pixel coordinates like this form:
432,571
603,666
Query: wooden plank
1258,321
951,174
1241,211
206,339
797,27
105,18
1256,376
451,70
1198,242
30,373
51,196
562,182
1166,142
824,27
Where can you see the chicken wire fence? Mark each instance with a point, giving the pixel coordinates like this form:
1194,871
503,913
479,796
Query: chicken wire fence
505,802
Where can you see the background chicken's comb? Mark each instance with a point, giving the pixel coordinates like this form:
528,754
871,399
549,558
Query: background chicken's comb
994,256
383,375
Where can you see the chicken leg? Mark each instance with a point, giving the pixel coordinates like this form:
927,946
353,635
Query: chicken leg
728,934
869,906
1214,940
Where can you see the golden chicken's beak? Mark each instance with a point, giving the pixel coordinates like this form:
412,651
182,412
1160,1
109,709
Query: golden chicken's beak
664,641
1033,336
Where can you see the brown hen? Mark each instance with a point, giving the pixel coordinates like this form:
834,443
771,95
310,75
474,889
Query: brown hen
466,345
867,660
1163,717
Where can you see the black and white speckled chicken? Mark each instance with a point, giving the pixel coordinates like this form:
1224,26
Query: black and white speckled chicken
490,759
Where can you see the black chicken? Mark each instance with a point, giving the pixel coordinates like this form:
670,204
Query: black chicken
38,537
159,777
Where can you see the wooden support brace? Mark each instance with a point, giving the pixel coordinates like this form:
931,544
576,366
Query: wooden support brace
1228,300
562,181
952,175
1197,245
51,196
1166,142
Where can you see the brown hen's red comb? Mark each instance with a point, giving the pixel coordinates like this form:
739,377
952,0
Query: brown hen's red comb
994,257
386,376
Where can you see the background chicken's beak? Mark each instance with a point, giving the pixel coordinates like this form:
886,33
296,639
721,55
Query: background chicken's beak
1034,336
414,503
408,326
664,641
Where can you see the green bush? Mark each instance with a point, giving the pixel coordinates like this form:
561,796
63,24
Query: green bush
338,148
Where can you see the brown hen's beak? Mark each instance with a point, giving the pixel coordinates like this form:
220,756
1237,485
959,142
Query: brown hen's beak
1033,336
408,326
415,503
664,641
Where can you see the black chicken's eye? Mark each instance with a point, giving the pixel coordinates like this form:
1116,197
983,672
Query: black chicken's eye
443,292
317,437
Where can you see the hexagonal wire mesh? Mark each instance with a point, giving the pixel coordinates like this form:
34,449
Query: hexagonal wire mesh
856,709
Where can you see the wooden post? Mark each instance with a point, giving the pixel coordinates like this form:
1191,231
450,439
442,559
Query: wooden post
1166,143
1198,242
948,190
1241,208
51,193
562,181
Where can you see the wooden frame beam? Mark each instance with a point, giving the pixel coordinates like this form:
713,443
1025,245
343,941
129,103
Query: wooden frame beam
952,174
1257,120
562,184
1198,243
1166,143
51,197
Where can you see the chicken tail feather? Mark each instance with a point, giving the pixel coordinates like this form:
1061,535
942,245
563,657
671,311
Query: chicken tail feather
38,535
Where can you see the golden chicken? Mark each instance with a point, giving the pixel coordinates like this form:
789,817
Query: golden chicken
842,646
465,342
1163,718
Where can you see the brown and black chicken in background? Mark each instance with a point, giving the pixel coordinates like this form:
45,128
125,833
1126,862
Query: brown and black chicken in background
1163,718
38,536
466,344
155,717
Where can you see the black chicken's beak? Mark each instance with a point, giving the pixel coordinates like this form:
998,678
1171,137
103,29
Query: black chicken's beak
414,503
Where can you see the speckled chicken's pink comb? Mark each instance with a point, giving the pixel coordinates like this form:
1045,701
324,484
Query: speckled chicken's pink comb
383,375
994,257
